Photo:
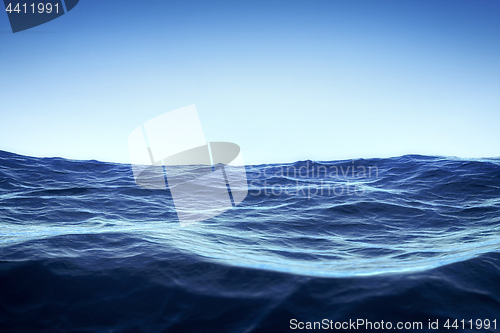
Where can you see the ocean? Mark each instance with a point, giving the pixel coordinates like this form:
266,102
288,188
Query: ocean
353,245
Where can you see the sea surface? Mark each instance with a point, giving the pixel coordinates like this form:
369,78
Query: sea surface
404,239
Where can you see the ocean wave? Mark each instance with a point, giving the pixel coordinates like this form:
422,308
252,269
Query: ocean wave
81,237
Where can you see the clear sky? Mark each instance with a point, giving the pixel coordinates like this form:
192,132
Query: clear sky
286,80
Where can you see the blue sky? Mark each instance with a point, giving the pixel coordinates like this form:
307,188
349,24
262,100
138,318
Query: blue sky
286,80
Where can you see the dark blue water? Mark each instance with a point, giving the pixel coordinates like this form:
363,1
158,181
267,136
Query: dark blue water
411,238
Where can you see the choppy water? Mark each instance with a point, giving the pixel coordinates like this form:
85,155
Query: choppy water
83,248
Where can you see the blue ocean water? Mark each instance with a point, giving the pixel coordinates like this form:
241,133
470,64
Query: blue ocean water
410,238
